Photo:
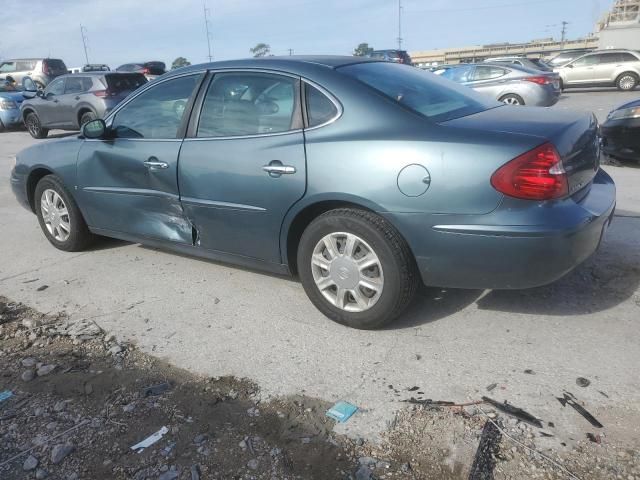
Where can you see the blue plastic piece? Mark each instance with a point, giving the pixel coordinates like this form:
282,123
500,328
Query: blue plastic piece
341,411
5,395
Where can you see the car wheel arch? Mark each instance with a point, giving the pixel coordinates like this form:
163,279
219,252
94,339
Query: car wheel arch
82,110
26,112
299,218
34,177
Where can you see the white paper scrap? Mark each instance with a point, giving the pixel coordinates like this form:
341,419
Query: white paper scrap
150,440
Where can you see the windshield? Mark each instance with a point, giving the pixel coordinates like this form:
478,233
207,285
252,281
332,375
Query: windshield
423,92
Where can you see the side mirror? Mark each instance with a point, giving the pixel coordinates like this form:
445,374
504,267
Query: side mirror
40,93
94,129
569,66
29,85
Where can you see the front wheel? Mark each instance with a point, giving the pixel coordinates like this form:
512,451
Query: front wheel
87,117
34,126
59,216
356,268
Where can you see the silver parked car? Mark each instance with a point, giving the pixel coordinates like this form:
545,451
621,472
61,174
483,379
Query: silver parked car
531,63
606,68
510,84
75,99
41,70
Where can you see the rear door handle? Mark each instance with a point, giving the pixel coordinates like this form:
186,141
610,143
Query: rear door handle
279,169
154,164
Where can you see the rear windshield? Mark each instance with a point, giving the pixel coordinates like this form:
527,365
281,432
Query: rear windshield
125,81
56,67
423,92
155,68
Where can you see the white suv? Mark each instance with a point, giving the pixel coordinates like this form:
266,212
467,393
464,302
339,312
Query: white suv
620,68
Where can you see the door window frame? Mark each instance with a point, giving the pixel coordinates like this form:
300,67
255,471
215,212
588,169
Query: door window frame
192,128
188,110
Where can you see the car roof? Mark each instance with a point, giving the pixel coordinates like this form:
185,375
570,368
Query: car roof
292,63
97,74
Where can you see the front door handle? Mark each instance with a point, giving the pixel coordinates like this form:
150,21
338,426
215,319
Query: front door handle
279,169
154,164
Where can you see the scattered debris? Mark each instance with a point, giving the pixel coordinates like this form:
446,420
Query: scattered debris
594,438
413,389
42,288
582,382
60,451
5,395
30,463
341,411
485,459
528,371
514,412
158,389
603,394
491,387
569,399
82,329
150,440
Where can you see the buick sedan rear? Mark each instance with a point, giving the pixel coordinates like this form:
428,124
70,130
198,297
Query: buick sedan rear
364,178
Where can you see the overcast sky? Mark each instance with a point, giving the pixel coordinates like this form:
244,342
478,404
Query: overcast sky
121,31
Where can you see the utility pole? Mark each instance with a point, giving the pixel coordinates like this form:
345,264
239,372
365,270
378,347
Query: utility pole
83,32
399,24
206,26
563,34
290,51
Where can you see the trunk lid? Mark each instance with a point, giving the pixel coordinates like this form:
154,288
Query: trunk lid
574,135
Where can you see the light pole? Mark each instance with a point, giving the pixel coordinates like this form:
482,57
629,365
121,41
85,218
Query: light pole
83,33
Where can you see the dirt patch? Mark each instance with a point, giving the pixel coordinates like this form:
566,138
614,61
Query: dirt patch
80,399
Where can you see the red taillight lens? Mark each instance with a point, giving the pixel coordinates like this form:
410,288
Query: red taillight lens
540,80
535,175
104,93
146,71
45,68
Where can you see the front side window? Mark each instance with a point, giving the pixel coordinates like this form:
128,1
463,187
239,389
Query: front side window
7,67
320,109
238,104
586,61
458,74
156,113
55,88
25,65
425,93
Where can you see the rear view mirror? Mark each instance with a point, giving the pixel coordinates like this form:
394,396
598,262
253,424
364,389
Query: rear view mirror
94,129
29,85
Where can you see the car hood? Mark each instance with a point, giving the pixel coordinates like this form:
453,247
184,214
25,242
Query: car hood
633,103
15,96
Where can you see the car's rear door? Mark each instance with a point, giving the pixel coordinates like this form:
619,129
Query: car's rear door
128,183
242,165
48,109
489,80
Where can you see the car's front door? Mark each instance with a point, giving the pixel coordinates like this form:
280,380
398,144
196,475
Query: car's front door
244,165
48,107
75,86
581,70
128,183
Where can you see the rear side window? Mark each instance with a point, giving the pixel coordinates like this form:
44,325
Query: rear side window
320,109
240,104
610,58
56,67
77,84
156,113
123,82
628,57
487,73
129,67
155,68
458,74
425,93
25,65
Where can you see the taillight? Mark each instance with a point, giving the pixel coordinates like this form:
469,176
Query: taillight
146,71
104,93
540,79
535,175
45,68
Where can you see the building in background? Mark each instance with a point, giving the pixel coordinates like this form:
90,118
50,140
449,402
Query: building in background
619,28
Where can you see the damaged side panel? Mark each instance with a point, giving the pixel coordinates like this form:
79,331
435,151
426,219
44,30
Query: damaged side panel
121,194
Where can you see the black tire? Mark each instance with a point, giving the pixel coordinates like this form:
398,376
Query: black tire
398,266
34,127
1,126
79,235
626,82
87,117
512,99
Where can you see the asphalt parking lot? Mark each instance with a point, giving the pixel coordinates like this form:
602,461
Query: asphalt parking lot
216,320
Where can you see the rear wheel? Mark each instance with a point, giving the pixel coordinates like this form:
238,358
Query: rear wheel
512,99
60,217
356,268
627,81
34,126
87,117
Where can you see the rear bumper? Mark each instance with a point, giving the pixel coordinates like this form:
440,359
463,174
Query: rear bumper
519,245
621,138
